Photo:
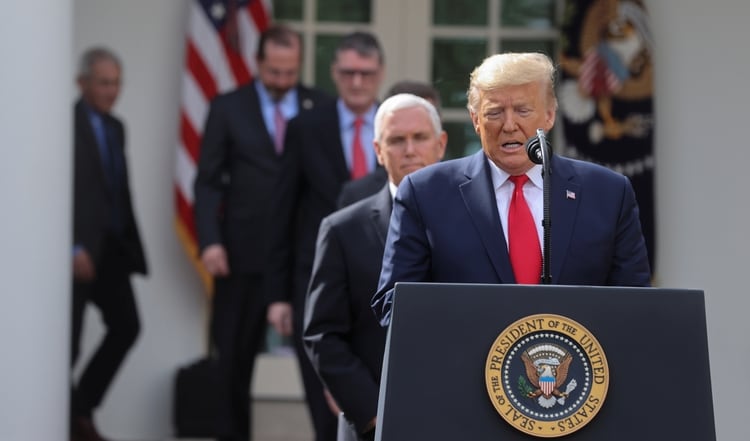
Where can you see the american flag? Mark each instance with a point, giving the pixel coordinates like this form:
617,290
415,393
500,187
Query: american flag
221,41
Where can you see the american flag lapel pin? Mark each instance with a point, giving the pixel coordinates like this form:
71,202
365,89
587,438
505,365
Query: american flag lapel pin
570,195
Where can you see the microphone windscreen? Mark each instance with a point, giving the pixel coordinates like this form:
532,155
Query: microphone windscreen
534,149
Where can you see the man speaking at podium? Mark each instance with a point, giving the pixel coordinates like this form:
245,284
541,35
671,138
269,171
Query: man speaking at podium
478,219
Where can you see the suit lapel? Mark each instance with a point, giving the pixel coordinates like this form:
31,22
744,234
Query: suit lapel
89,143
255,117
565,193
336,145
305,99
479,197
114,135
381,212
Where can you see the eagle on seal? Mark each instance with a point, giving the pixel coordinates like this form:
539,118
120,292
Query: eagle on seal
546,374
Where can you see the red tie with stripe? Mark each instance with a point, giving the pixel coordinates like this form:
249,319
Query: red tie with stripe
359,163
523,241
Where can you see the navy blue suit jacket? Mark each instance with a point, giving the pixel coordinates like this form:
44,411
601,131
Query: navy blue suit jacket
445,228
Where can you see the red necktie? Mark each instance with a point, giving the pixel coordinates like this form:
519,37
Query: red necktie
523,241
279,128
359,164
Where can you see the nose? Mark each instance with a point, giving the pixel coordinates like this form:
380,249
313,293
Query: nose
357,79
410,147
509,123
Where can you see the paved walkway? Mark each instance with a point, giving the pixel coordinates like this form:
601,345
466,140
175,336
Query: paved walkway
274,420
281,421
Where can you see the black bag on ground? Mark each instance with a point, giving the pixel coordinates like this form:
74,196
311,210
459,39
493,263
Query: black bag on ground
195,399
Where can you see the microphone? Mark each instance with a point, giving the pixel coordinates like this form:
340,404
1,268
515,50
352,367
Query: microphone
539,150
534,147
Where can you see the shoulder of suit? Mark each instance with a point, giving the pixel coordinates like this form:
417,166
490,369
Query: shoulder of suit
584,168
443,172
313,93
114,119
317,113
238,95
355,212
370,180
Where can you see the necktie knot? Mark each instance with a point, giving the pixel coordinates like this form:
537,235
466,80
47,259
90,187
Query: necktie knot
519,180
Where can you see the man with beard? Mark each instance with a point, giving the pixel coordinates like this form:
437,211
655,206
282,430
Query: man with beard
327,148
241,159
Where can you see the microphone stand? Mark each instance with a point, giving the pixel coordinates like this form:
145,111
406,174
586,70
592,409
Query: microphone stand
546,219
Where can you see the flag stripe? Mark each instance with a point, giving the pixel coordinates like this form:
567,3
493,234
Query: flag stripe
208,44
194,104
190,137
237,64
200,72
249,37
260,14
185,174
219,56
185,213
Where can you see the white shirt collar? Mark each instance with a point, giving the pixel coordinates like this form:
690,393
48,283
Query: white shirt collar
500,176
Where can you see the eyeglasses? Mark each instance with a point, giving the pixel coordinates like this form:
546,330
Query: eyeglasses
349,74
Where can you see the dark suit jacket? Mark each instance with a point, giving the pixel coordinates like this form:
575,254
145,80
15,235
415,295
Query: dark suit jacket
93,193
308,193
341,335
361,188
237,174
446,228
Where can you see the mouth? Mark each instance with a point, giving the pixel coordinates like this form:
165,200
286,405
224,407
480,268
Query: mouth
412,166
512,146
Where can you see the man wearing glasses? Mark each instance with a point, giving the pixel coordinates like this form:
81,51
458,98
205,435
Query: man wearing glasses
325,149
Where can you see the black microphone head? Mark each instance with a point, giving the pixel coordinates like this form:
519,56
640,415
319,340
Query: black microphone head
534,149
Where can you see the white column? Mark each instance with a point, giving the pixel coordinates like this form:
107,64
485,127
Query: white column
36,83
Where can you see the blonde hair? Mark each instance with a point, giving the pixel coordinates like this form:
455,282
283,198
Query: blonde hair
511,69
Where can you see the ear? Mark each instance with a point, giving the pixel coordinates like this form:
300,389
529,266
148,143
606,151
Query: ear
378,152
443,139
81,82
550,117
475,121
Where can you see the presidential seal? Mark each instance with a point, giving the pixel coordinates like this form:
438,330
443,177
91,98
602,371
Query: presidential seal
547,375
